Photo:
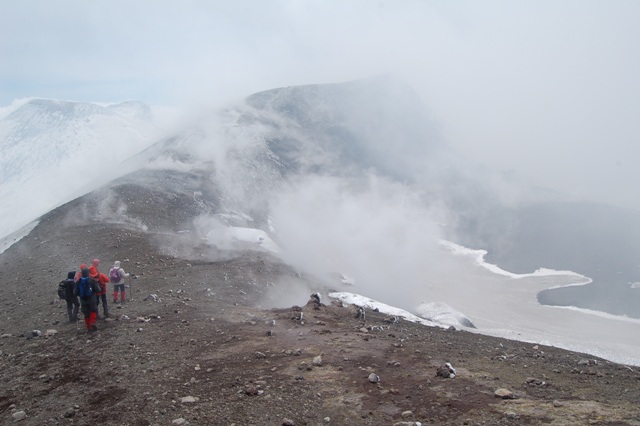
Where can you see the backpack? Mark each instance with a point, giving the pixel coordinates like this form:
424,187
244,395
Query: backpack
62,289
114,275
85,289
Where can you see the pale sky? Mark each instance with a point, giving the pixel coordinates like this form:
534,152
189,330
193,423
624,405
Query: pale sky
550,89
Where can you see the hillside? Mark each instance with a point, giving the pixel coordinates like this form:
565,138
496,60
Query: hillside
218,345
221,329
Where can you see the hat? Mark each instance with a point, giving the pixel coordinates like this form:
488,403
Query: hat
93,272
116,264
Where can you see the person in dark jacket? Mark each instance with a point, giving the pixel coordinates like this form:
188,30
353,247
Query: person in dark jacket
87,289
72,300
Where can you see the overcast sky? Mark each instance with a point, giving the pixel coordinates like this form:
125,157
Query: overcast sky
550,89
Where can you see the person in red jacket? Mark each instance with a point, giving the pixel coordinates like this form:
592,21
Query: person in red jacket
102,280
78,274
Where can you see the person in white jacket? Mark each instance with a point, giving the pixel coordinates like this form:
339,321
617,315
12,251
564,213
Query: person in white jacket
117,276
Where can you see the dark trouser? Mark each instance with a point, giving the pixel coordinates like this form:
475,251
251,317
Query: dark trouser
118,288
72,308
89,310
105,307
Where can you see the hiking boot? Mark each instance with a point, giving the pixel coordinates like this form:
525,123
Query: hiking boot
93,329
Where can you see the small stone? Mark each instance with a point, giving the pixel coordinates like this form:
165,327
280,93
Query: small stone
69,413
19,415
504,394
288,422
188,400
251,390
446,370
179,421
557,403
374,378
50,332
317,361
406,414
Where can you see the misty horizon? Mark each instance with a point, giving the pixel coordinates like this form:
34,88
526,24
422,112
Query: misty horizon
539,91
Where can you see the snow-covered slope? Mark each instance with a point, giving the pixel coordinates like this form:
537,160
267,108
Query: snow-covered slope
51,149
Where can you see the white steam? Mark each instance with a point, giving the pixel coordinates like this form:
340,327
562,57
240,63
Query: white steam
372,230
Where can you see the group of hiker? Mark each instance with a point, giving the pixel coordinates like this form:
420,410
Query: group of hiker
85,289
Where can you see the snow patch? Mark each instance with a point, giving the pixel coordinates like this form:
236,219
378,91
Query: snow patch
442,313
237,238
365,302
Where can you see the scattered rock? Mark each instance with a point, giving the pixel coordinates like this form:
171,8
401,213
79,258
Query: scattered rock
188,400
447,371
315,298
288,422
504,394
374,378
19,415
50,332
33,333
532,381
153,297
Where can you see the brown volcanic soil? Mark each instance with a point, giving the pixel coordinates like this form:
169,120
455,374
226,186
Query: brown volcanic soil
208,338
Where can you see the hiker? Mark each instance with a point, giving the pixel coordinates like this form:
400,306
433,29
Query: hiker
72,300
117,276
86,289
102,280
79,273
